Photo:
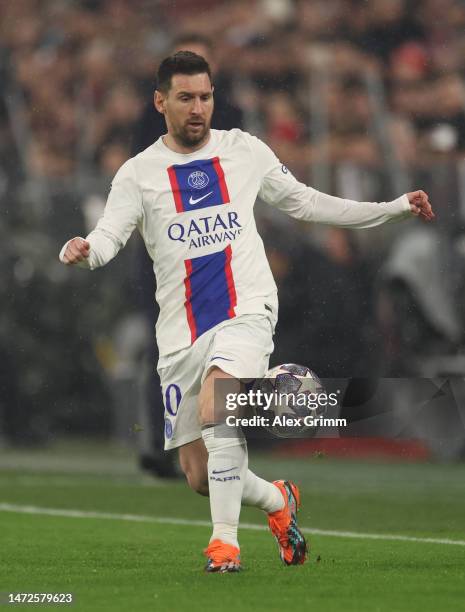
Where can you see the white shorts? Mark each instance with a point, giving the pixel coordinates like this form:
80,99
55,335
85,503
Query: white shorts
241,347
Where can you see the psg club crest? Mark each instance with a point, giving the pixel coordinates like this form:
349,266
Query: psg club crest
198,179
168,429
199,183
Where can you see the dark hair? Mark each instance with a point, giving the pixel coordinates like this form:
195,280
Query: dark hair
188,38
182,62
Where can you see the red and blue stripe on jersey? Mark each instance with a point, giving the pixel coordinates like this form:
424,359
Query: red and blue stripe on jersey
198,184
210,291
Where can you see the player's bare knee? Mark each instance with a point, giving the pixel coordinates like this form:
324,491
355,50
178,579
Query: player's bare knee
212,400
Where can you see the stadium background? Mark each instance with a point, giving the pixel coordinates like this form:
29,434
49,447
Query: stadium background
359,99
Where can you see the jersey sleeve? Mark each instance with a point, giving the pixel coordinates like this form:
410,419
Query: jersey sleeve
281,189
123,211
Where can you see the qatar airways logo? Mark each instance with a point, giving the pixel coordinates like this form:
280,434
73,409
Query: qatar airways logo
205,231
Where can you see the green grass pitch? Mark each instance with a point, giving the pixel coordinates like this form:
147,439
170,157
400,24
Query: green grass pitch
116,564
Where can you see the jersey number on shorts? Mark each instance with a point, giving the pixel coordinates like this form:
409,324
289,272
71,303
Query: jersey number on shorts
173,397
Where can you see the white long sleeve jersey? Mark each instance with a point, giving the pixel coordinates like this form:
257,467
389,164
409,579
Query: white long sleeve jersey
195,214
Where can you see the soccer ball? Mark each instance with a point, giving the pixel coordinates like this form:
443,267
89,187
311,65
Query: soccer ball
290,403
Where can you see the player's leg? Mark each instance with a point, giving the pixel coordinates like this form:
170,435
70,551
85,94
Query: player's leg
226,469
181,376
262,494
249,343
242,350
279,500
193,459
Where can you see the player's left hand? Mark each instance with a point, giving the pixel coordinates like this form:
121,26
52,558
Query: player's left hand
420,205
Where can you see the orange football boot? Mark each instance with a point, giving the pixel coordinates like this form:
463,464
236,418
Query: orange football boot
283,524
222,557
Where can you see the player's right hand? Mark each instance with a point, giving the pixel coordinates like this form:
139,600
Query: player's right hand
77,250
420,205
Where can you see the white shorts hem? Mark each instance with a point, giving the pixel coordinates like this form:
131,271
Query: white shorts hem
172,444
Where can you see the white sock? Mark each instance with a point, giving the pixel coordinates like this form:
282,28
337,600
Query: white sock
261,494
227,469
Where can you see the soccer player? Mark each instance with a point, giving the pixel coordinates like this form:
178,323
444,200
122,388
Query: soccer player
151,126
191,195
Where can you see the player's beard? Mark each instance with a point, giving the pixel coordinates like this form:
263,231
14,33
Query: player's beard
189,136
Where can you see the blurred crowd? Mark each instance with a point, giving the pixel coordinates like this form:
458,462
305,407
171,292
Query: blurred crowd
84,70
365,99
